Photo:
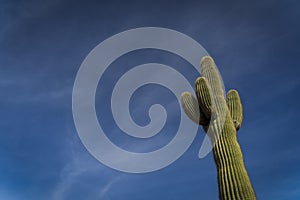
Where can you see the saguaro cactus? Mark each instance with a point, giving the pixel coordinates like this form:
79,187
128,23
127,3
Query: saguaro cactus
221,119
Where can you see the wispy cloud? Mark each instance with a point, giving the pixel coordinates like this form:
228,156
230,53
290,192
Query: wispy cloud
105,190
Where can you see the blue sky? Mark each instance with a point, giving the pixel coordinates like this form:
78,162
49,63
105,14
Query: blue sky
42,44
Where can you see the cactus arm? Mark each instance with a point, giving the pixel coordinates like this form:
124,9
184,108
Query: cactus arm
235,107
190,107
225,118
203,93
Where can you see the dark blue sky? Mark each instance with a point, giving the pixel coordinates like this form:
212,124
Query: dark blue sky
42,44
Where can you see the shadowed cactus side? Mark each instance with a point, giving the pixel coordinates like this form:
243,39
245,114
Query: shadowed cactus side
221,118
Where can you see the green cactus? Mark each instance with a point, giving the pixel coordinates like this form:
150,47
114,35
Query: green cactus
221,119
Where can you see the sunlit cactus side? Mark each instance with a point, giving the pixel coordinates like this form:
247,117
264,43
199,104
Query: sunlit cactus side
221,118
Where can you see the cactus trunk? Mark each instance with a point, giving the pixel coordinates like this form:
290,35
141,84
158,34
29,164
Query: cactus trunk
233,179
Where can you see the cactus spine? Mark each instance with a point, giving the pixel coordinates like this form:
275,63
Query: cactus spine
221,119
